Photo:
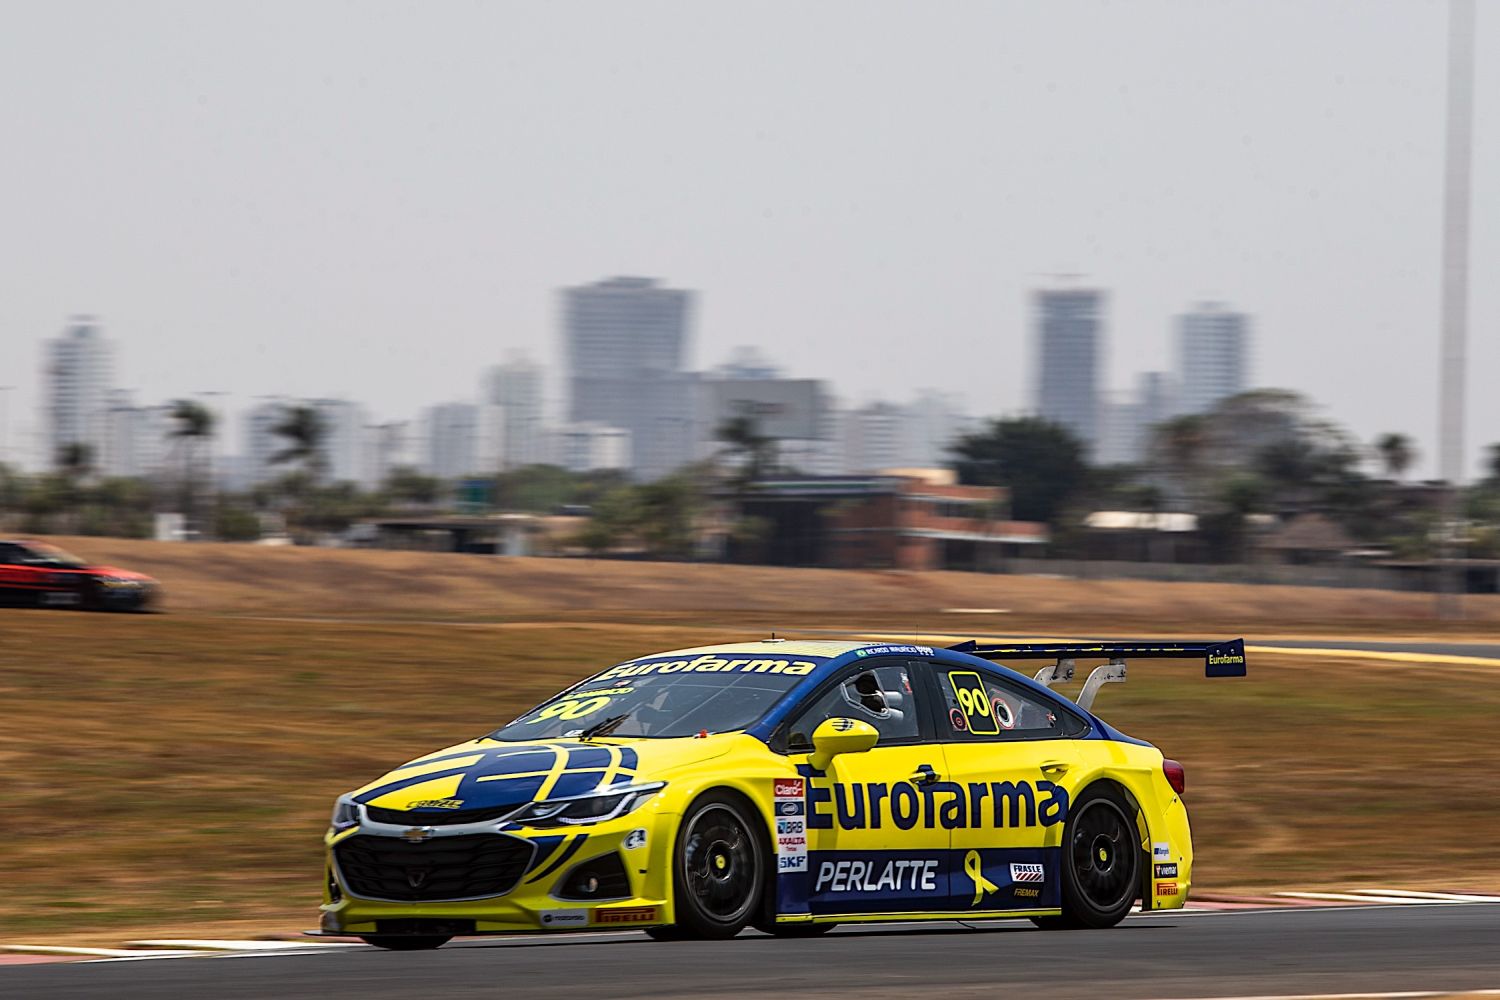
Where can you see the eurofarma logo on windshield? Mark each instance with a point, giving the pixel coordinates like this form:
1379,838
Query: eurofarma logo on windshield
712,665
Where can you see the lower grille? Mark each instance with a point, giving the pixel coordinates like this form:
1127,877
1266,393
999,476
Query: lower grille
466,867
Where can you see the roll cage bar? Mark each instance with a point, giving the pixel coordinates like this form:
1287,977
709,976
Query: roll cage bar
1221,658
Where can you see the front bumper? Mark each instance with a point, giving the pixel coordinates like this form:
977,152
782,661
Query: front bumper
480,878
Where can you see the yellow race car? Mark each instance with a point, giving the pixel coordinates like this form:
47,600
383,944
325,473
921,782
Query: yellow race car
789,786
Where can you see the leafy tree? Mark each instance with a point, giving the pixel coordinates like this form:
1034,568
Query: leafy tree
75,460
1396,454
1039,462
407,485
668,508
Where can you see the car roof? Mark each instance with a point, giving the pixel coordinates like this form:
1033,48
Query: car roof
781,647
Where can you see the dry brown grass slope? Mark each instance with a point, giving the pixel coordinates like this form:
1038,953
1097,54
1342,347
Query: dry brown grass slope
264,580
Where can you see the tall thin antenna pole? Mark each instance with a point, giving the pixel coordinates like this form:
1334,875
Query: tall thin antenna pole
1455,315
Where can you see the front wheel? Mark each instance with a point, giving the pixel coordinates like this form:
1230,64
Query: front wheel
1101,859
719,868
406,942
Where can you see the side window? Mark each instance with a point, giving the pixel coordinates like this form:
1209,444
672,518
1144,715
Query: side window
882,695
980,706
10,555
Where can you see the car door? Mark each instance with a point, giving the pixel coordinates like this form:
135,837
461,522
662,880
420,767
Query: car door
872,843
1015,753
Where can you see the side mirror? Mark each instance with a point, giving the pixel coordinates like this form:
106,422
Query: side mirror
836,736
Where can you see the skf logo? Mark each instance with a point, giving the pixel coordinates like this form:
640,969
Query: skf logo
417,834
626,915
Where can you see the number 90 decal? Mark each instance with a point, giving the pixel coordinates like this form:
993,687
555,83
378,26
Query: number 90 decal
569,708
974,702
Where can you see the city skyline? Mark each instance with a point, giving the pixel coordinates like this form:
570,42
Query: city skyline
249,207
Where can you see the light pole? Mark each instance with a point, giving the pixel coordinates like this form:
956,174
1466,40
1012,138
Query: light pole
1455,314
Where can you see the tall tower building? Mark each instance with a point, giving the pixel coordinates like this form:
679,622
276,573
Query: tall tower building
1212,354
516,389
79,369
1068,332
626,340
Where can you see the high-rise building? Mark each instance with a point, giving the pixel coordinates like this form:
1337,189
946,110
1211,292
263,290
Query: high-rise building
516,388
1212,354
79,368
462,439
935,421
343,445
1069,326
262,444
137,439
626,340
875,436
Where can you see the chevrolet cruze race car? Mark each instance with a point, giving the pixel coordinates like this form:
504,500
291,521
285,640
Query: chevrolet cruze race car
788,786
36,574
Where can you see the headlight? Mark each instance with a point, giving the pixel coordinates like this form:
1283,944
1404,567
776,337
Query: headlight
595,807
346,813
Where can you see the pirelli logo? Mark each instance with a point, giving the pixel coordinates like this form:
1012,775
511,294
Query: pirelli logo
626,915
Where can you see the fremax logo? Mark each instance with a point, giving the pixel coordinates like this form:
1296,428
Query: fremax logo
947,804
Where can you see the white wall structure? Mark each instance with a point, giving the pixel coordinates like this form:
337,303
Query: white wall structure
451,434
935,420
78,370
1069,329
262,444
591,447
517,389
1213,344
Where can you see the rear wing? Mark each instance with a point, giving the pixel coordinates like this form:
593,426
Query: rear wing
1220,659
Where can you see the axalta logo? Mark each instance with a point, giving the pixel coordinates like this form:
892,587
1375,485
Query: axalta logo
709,665
945,804
868,876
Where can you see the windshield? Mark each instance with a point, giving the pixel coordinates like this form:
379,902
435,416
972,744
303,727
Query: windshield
50,555
664,697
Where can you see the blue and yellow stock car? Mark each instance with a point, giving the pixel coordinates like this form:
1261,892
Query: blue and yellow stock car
789,786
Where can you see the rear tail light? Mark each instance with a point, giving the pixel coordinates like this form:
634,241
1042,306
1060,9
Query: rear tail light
1176,776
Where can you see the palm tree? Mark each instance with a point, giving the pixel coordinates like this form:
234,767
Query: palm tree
1396,454
303,429
75,460
192,429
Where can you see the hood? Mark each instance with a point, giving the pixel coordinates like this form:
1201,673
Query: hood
115,571
484,774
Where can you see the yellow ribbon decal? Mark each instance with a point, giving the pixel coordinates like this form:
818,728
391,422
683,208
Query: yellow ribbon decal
974,868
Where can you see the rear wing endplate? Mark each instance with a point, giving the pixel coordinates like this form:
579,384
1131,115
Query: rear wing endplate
1220,658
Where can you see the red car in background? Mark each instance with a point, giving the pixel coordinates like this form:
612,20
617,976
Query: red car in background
36,574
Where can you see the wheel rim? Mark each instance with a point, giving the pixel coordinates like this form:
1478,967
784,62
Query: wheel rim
719,863
1102,850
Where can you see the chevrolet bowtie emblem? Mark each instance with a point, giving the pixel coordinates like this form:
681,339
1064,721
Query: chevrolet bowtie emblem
416,834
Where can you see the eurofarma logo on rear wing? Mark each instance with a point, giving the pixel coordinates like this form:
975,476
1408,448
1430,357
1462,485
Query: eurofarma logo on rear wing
1224,658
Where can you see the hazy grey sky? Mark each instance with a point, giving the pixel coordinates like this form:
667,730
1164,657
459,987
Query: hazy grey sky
377,200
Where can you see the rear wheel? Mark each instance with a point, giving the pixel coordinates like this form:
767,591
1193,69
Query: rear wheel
719,869
406,942
1101,862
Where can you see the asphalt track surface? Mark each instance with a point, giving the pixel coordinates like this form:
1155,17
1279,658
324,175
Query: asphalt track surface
1216,954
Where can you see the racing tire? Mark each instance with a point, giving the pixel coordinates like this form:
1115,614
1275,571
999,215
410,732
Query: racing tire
406,942
718,869
1101,862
